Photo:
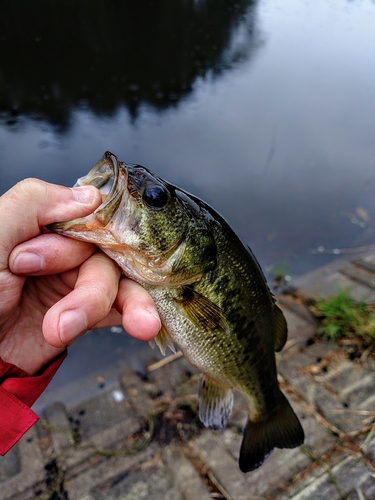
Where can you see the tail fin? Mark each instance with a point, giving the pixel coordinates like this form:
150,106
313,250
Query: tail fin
281,430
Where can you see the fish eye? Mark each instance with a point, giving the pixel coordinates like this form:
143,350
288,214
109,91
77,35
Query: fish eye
155,196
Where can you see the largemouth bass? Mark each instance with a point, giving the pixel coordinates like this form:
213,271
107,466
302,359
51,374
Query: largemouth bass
211,294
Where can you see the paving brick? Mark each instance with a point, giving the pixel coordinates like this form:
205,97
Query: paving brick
301,323
31,458
359,387
171,378
99,413
263,482
350,479
137,393
22,486
329,383
57,422
114,439
23,470
368,446
357,278
10,464
185,476
105,474
222,464
328,391
153,482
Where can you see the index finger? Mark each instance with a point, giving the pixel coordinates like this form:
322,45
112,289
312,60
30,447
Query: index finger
32,204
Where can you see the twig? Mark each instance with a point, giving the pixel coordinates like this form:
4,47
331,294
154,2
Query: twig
218,485
327,469
360,494
164,361
356,412
369,436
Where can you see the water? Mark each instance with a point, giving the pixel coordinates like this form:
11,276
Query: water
266,110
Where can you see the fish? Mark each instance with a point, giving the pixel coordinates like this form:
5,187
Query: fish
210,292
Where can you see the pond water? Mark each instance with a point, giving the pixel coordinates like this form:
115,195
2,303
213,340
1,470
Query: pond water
265,109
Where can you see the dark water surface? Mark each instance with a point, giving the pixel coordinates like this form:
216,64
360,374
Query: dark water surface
265,109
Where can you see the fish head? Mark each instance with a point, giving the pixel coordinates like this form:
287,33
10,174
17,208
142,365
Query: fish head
153,230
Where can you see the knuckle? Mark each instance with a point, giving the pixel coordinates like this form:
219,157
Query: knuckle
30,186
101,298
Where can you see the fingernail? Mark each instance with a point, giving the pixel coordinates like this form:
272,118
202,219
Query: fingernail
84,194
153,311
71,324
27,262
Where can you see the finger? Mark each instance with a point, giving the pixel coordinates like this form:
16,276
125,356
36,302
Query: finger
140,317
49,254
114,318
32,203
88,304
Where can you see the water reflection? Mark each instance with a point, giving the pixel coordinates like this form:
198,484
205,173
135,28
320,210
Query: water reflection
74,79
102,54
263,109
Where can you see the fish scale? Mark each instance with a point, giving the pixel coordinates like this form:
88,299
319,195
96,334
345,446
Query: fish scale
211,294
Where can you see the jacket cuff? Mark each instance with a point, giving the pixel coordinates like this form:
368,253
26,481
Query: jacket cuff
15,420
19,391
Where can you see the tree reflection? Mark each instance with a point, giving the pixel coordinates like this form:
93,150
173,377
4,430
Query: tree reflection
62,55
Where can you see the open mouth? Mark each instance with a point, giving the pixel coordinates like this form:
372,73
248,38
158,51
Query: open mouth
104,176
109,178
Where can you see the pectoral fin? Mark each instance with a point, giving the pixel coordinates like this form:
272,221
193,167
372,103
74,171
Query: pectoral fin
163,341
281,329
202,312
215,403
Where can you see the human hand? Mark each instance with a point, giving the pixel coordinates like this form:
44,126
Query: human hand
52,288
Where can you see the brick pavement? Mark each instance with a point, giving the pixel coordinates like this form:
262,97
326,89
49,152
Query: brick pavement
108,447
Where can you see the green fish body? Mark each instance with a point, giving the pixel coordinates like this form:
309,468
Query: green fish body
211,294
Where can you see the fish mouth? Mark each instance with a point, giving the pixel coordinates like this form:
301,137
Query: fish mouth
102,174
106,176
109,176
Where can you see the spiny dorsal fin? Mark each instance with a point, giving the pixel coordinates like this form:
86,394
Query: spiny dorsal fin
202,312
215,403
281,333
163,341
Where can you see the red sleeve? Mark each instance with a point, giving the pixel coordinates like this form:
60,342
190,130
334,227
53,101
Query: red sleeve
18,392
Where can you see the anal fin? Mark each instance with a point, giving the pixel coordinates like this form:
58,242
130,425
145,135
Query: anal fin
163,341
215,403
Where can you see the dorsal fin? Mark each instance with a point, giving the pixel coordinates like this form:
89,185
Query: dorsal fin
281,333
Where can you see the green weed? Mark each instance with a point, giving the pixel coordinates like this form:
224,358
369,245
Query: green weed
343,317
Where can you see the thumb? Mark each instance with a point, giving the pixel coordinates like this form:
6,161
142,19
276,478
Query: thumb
32,204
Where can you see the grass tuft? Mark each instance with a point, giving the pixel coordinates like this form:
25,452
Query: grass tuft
343,317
